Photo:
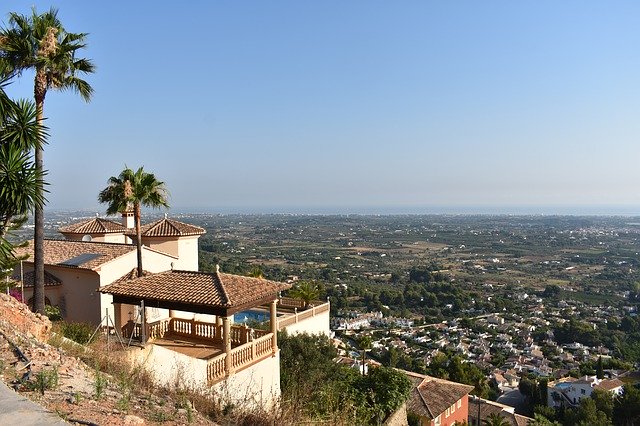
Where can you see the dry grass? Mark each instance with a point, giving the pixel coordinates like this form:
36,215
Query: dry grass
135,382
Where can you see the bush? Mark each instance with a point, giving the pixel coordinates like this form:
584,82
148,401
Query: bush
53,312
78,332
45,380
100,384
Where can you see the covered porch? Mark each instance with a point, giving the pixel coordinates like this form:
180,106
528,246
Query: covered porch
225,348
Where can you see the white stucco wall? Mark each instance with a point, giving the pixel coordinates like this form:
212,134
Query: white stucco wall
258,385
171,368
318,324
194,316
184,248
109,272
188,251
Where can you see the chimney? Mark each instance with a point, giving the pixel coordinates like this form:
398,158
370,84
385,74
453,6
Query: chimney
127,219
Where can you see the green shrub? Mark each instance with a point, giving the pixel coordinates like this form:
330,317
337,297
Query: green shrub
78,332
53,312
45,380
124,389
100,384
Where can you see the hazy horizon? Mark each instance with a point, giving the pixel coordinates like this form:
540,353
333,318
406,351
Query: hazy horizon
525,210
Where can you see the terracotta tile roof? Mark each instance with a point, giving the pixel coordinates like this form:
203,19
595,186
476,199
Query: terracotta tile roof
95,254
488,408
93,226
610,384
168,228
431,396
131,275
50,280
196,288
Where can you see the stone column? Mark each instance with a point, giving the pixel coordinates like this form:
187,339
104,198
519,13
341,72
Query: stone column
226,338
219,335
274,325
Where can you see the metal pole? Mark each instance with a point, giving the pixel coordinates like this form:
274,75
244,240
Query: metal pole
22,281
143,324
106,317
478,401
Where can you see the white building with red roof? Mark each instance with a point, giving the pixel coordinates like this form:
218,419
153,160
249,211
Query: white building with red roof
97,252
190,327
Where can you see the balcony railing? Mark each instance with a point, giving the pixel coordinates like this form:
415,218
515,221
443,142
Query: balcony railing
241,357
298,316
240,334
252,345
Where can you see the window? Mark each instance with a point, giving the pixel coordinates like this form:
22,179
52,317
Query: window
459,403
582,391
453,408
446,413
437,421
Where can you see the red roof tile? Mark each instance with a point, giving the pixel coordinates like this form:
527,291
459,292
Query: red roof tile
610,384
431,396
58,251
168,228
93,226
196,288
50,280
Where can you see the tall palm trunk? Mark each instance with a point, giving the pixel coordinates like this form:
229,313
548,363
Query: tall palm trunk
136,218
40,92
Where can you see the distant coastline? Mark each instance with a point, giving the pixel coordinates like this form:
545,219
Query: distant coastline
467,210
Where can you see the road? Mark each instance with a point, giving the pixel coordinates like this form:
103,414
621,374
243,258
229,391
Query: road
15,409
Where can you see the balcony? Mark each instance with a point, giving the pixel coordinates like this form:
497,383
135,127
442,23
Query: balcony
204,341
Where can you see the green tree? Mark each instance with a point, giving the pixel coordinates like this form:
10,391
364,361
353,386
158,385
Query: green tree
626,408
19,177
604,401
386,390
256,272
39,42
364,343
495,419
600,369
587,414
306,291
456,370
131,190
540,420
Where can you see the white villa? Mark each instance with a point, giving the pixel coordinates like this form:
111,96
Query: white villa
190,327
568,392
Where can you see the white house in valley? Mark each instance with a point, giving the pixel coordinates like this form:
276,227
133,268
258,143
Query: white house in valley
568,392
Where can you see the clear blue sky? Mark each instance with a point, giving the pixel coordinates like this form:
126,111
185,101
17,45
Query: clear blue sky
348,105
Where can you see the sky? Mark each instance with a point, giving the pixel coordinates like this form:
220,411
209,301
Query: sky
357,106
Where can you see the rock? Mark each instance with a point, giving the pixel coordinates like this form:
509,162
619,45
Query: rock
19,316
132,420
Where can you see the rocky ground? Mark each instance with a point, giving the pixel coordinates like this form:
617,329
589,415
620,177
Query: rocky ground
63,383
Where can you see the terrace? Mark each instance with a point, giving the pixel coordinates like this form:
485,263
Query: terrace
224,348
205,340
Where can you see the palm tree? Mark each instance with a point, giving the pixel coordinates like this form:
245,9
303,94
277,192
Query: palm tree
305,291
19,178
495,419
132,190
365,344
39,42
256,272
